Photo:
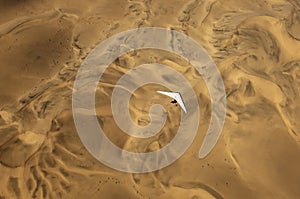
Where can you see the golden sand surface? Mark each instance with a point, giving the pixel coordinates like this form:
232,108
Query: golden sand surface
256,47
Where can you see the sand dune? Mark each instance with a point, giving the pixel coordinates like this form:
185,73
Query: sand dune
256,46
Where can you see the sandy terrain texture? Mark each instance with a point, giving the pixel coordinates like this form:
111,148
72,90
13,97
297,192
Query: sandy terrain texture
256,47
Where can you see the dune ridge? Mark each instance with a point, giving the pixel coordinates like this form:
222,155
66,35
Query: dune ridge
256,47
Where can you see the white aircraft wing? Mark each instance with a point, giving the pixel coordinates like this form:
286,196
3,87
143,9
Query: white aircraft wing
176,96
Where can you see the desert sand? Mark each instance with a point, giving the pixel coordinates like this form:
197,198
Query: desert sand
256,47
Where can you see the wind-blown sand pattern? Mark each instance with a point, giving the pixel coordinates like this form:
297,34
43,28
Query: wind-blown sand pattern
256,46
